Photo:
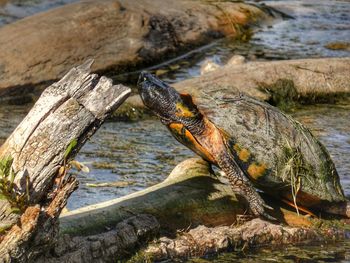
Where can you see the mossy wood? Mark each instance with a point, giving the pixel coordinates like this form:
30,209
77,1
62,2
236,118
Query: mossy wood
64,117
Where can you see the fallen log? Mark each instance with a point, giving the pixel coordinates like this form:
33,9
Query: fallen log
118,34
38,153
203,241
188,197
111,246
277,82
197,215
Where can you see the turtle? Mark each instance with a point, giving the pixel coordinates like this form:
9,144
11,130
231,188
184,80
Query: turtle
254,144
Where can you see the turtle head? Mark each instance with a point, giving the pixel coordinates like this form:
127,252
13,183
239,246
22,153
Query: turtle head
169,105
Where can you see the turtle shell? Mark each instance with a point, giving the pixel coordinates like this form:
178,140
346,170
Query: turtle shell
278,154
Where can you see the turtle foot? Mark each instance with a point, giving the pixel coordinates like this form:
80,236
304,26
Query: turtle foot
258,205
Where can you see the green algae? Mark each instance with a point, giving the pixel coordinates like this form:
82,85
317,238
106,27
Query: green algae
285,96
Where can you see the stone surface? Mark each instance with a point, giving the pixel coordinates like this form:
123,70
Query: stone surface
302,80
118,34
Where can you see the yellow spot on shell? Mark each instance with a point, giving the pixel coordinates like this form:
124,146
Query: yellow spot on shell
183,111
256,170
244,155
236,147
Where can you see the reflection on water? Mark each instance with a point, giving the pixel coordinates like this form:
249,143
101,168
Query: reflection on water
142,153
333,252
10,117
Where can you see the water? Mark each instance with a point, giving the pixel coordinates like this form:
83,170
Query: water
12,10
316,24
143,153
333,252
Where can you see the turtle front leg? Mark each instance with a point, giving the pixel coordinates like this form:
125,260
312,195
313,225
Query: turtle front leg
242,186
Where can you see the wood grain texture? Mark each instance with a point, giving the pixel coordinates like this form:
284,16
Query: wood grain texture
71,109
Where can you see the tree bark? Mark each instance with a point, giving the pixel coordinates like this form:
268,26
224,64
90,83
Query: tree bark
64,117
120,242
202,240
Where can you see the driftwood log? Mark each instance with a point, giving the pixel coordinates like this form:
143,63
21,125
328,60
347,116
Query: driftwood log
64,117
205,201
118,34
119,243
278,82
194,213
203,241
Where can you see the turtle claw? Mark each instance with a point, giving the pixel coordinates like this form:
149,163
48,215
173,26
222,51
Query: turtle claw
267,216
268,207
262,213
258,205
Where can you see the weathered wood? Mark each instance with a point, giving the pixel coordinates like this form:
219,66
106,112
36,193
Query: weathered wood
111,246
203,241
37,230
311,80
191,195
188,197
69,110
118,34
203,212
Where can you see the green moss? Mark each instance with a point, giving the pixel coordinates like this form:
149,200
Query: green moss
325,225
283,93
4,227
338,46
285,96
140,256
8,190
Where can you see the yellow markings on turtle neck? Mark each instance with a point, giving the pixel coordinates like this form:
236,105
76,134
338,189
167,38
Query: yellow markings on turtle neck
183,111
256,170
242,153
185,137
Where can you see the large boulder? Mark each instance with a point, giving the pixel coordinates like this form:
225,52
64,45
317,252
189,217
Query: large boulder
118,34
